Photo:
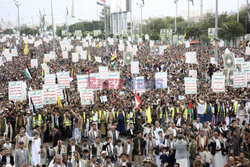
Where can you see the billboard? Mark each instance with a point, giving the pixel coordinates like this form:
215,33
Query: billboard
117,6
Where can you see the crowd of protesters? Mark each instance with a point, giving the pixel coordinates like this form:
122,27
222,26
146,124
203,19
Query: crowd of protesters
202,130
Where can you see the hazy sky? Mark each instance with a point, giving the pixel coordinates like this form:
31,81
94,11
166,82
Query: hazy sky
87,9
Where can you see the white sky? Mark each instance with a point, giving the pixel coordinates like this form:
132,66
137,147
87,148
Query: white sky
87,9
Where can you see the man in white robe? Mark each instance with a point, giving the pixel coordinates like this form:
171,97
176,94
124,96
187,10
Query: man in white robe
36,149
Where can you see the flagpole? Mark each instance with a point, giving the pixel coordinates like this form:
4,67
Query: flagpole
18,4
53,28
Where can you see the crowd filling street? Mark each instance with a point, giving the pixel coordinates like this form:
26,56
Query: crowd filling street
206,129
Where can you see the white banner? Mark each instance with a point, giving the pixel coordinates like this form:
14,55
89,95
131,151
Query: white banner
37,98
50,79
75,57
65,54
218,83
191,58
63,79
49,94
87,97
135,67
82,82
161,80
240,80
33,63
193,73
17,90
104,72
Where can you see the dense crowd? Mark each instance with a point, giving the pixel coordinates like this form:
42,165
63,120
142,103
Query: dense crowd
202,130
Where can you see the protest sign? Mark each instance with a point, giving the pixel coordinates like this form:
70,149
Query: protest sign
98,59
187,44
229,60
240,80
193,73
86,96
191,58
83,55
161,80
212,60
49,94
128,57
230,77
14,52
33,63
37,98
104,72
65,54
113,80
95,81
82,82
63,79
75,57
218,83
121,47
50,79
46,58
239,60
78,49
135,67
139,84
17,90
190,85
247,52
103,99
52,55
60,92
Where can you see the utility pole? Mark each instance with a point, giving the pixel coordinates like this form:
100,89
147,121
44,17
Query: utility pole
141,6
216,31
18,4
201,14
188,11
53,28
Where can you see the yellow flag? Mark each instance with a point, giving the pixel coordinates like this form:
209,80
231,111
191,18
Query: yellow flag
59,102
213,43
26,49
179,42
89,57
148,115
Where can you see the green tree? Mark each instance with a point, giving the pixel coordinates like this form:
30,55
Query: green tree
154,36
8,31
231,30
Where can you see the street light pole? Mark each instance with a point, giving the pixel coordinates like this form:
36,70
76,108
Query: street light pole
176,10
18,4
188,11
53,29
141,6
216,31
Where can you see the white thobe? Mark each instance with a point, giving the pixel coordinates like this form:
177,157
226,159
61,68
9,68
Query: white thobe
35,149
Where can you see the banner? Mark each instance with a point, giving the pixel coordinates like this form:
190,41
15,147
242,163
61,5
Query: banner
33,63
104,72
60,92
52,55
17,90
49,94
191,58
95,81
247,52
229,60
75,57
190,85
14,52
46,58
161,80
218,83
240,80
114,80
135,67
82,82
50,79
63,79
193,73
98,59
37,98
83,55
87,97
139,84
247,73
121,47
230,77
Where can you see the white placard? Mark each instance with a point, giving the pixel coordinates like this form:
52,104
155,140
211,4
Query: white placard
218,83
161,80
37,98
65,54
49,94
191,58
87,97
50,79
75,57
33,63
104,72
193,73
63,79
190,85
135,67
240,80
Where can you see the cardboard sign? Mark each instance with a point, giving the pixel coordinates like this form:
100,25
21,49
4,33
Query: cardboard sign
240,80
104,72
50,79
63,79
65,54
161,80
139,84
190,85
75,57
218,83
33,63
191,58
49,94
135,67
193,73
37,98
87,97
17,90
82,82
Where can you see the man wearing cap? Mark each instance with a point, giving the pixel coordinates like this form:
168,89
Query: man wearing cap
21,155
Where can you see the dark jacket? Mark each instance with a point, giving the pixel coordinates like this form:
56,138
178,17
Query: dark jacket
136,146
4,160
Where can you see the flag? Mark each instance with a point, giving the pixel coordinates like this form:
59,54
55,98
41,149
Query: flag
33,106
179,42
143,2
89,57
72,74
114,58
190,109
182,59
26,49
148,115
59,102
27,72
43,74
137,101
